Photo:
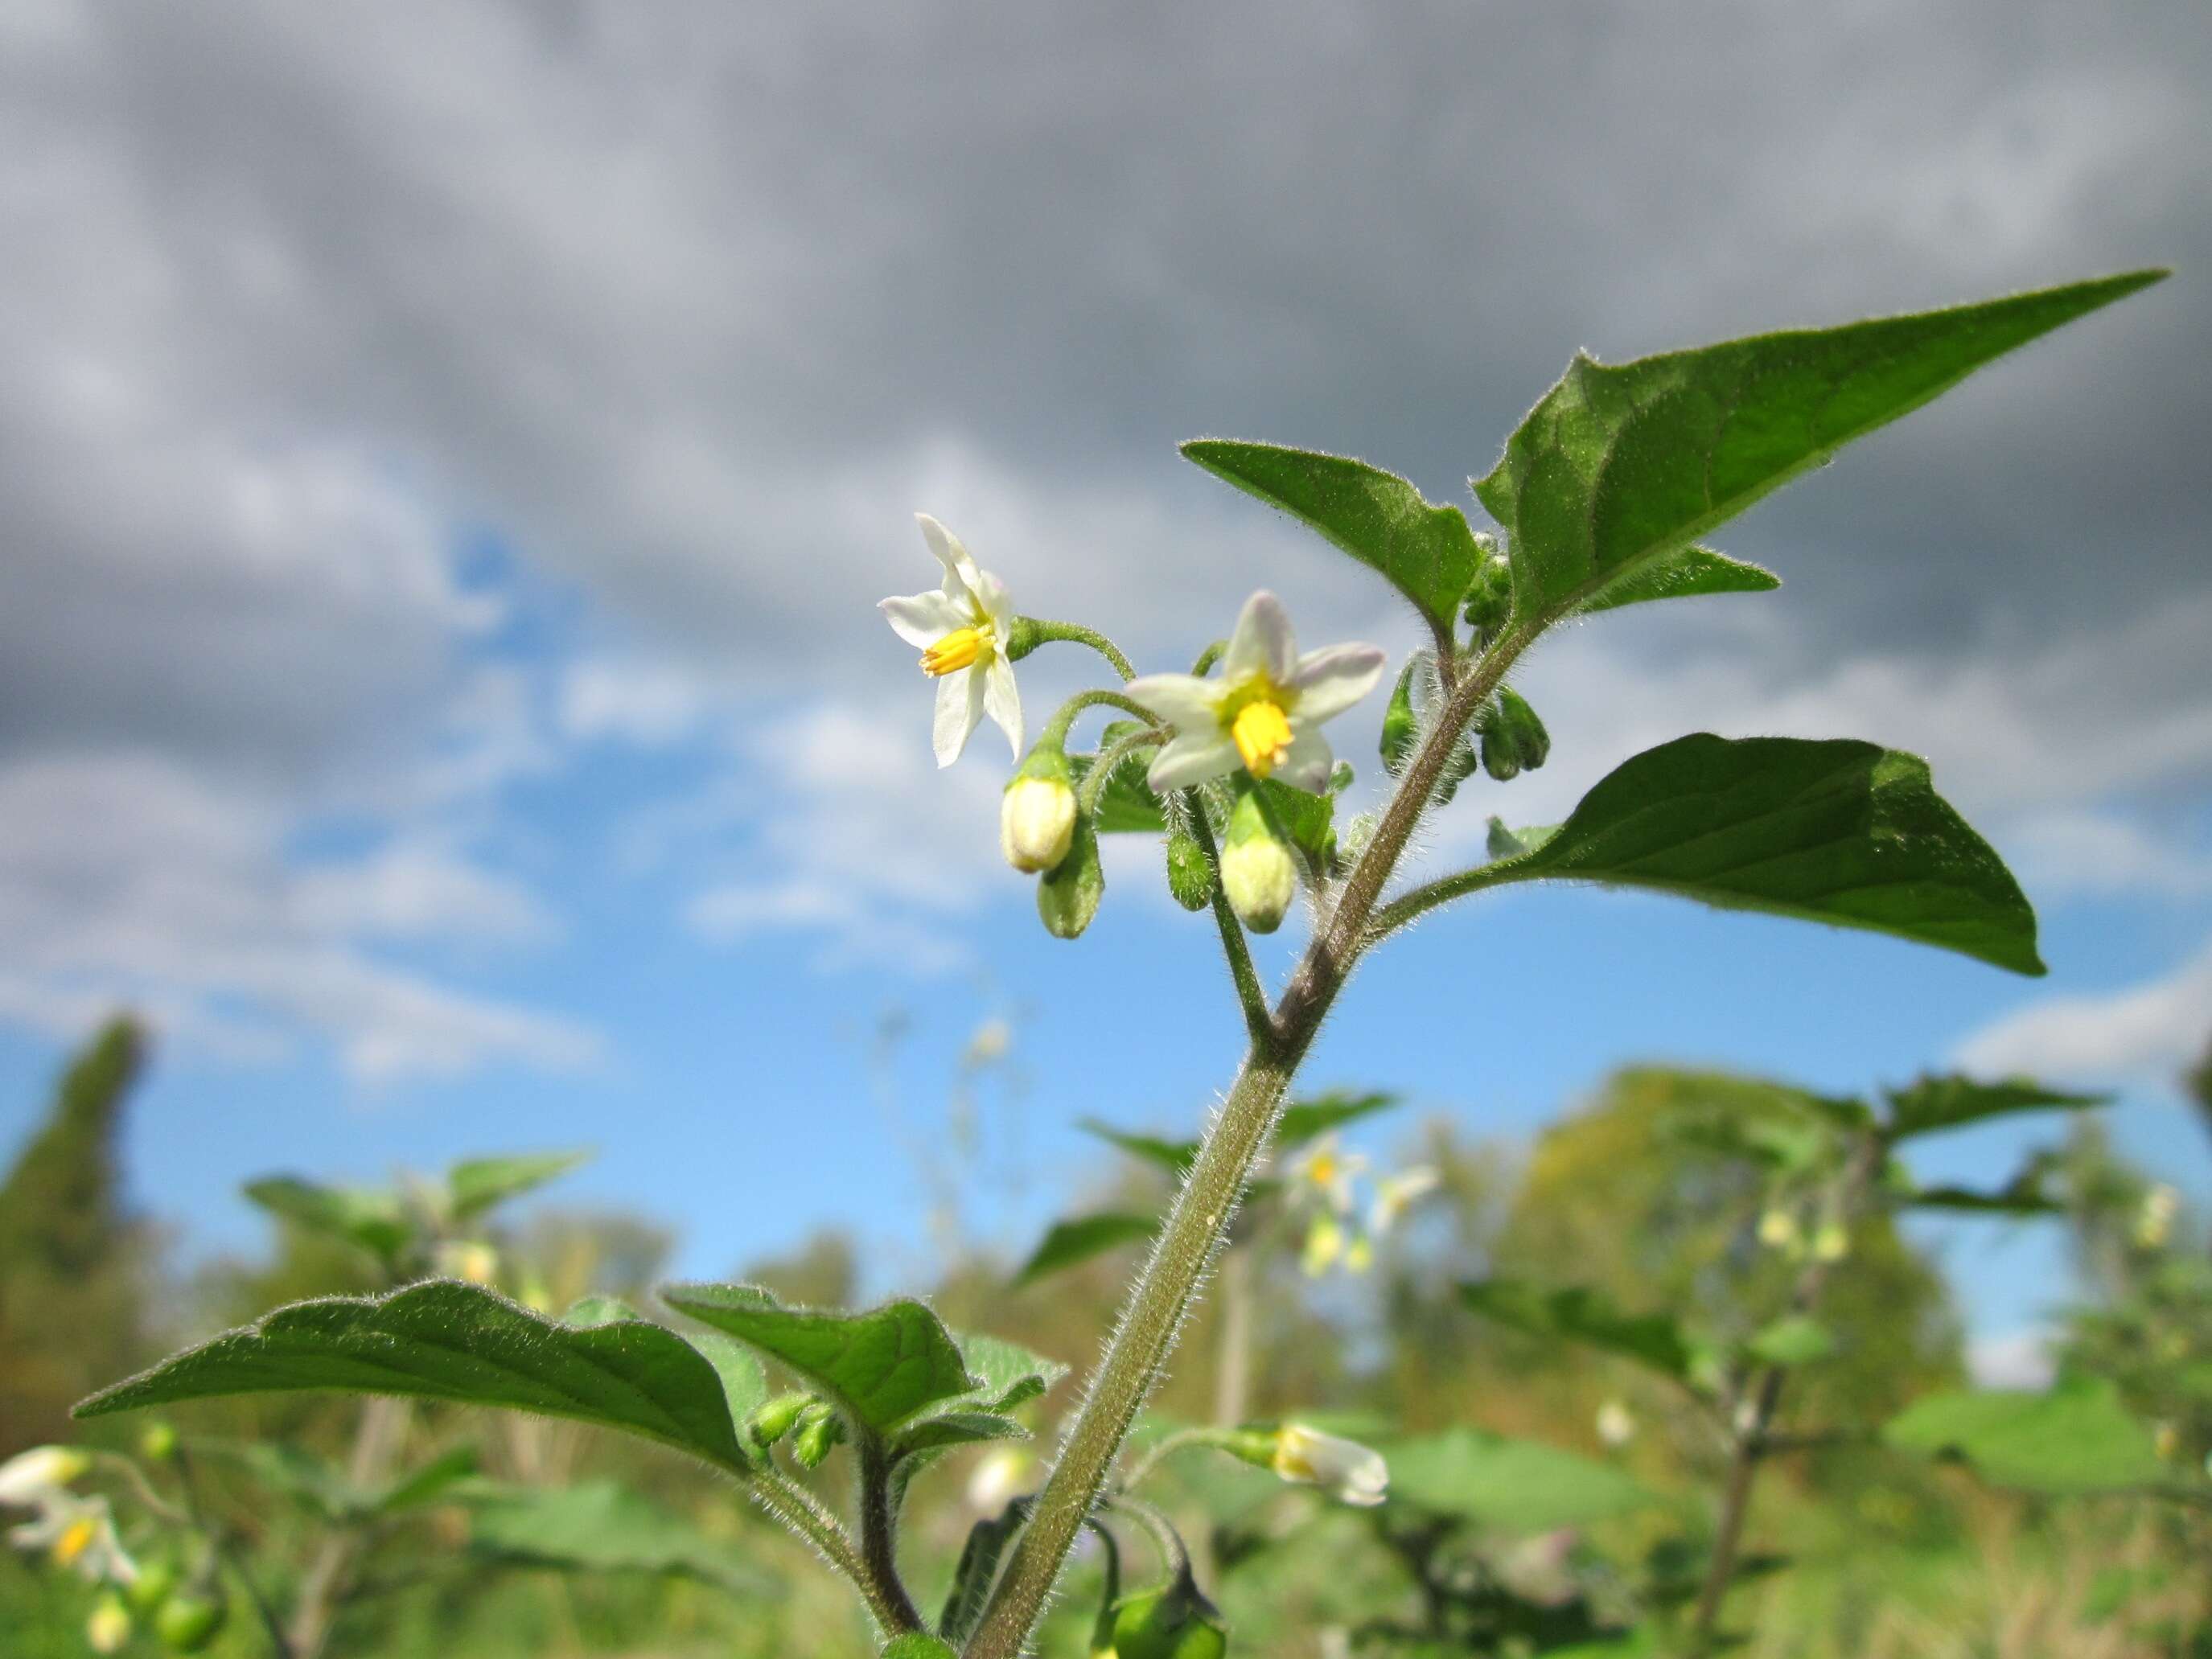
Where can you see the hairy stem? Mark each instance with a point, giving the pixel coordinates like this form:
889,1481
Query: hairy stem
1200,1218
1039,631
218,1543
880,1540
1251,995
1754,1441
800,1511
1056,728
377,1436
1109,761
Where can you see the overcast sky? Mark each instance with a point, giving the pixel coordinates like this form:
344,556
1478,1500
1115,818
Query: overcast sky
449,455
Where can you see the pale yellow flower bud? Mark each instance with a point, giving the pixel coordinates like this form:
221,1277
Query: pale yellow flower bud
1036,823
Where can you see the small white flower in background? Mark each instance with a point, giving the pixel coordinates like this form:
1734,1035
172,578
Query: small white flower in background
1325,1170
1396,1194
1000,1476
2154,1220
1344,1469
474,1261
78,1532
1263,712
961,631
33,1479
109,1626
1616,1426
989,1043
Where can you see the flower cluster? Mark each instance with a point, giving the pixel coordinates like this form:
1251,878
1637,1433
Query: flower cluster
76,1532
1324,1185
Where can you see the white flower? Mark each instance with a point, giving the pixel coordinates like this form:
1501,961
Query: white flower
1000,1476
34,1479
1395,1194
1344,1469
1327,1169
471,1259
1325,1243
79,1533
963,631
1616,1426
1263,711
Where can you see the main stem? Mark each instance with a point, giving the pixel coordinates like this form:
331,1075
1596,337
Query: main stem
1200,1218
878,1540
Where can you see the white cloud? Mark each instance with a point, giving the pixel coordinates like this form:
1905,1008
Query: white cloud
2146,1031
2090,851
649,704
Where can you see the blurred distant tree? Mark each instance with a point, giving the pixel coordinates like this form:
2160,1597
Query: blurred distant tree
2199,1082
71,1260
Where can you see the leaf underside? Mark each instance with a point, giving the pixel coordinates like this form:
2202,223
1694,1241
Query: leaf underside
1069,1243
444,1339
1933,1103
1837,831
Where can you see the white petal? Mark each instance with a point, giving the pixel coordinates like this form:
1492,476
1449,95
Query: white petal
961,577
1329,682
1262,643
991,594
1192,759
1307,763
1183,700
959,706
1002,699
922,619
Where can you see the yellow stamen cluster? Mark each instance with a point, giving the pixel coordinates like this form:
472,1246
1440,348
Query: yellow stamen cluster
74,1540
958,650
1262,732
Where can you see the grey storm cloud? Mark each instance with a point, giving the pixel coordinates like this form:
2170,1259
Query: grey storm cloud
688,303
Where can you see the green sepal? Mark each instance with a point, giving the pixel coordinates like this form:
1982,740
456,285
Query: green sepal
820,1430
1177,1622
1490,594
777,1418
1400,723
1068,893
1513,739
1190,872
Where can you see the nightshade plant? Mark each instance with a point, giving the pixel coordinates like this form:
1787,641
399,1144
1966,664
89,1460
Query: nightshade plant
1601,501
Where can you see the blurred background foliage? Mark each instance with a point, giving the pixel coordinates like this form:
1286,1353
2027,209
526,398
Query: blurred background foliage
1596,1501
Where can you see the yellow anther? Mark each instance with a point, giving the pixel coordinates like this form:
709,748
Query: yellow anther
1262,732
74,1540
956,651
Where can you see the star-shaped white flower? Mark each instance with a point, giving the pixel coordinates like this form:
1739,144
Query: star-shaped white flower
78,1532
1344,1469
1264,710
961,631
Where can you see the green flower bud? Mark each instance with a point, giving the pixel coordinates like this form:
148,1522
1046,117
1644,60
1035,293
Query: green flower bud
1490,596
1400,723
157,1580
821,1431
1068,893
1258,874
773,1421
1175,1623
1190,874
187,1623
157,1444
1512,737
1036,814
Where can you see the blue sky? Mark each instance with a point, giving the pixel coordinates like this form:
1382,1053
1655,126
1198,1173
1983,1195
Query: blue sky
447,493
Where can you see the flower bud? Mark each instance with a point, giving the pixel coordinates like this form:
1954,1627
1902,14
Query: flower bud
1190,876
1399,724
1513,739
820,1432
1036,814
109,1626
155,1581
1490,596
1832,1242
157,1444
1257,870
1175,1623
1777,1230
773,1421
26,1477
1344,1469
188,1622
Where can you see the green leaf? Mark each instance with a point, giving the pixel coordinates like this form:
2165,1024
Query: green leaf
915,1645
444,1339
1618,466
1176,1156
1508,1486
1837,831
2077,1439
1071,1242
1009,1374
883,1366
1126,805
372,1221
1308,1120
482,1183
1426,552
972,1578
1687,573
950,1429
1585,1314
1794,1339
602,1526
1961,1200
430,1482
1947,1103
1307,819
1502,843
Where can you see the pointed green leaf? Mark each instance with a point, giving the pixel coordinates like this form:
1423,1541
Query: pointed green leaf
1794,1339
881,1366
1508,1486
1427,552
1174,1156
1308,1120
1504,844
2077,1439
977,1571
1585,1314
1008,1373
430,1482
444,1339
1688,573
1948,1102
482,1183
1962,1200
1837,831
1616,466
602,1526
372,1221
950,1429
1071,1242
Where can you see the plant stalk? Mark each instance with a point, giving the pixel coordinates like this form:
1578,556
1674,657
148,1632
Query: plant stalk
880,1540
